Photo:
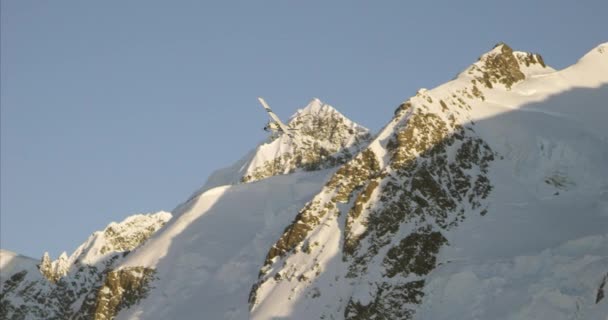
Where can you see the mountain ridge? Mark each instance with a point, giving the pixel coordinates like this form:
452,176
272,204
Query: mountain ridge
400,226
505,76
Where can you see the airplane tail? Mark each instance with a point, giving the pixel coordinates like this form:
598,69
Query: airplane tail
275,118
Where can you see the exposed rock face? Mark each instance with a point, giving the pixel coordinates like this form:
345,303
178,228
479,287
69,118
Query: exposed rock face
503,66
122,289
85,285
132,232
323,138
349,177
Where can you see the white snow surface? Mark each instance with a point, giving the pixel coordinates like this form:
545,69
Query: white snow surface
556,283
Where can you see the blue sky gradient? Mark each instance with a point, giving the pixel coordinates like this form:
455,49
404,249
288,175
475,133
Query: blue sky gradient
111,108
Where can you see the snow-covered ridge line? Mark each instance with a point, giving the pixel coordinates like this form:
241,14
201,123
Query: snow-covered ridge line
76,286
117,237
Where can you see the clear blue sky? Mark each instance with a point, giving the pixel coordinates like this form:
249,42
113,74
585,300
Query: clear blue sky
110,108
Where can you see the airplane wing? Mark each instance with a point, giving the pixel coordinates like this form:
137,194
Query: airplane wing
274,117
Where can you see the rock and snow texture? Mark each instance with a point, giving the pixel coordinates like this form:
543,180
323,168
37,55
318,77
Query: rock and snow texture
71,287
115,238
54,270
499,169
483,198
119,237
323,138
218,235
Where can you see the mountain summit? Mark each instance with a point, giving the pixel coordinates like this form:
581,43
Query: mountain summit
323,138
483,198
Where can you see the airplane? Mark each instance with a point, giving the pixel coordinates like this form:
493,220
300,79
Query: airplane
275,125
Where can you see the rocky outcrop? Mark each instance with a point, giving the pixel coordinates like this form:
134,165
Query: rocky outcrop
427,187
132,232
503,66
122,289
54,270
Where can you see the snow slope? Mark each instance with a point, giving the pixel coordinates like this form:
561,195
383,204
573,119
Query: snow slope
208,256
11,262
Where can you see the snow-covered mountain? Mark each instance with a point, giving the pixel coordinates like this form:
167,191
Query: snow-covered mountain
323,138
71,287
493,171
483,198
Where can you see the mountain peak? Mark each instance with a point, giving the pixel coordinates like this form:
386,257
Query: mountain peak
310,119
505,51
505,67
315,106
502,46
323,138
